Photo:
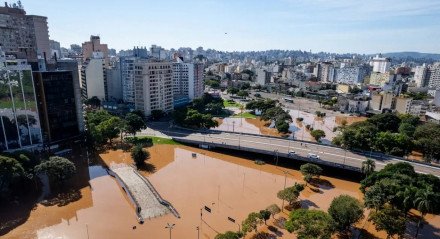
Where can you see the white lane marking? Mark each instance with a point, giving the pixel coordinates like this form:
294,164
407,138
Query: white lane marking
358,159
324,146
283,146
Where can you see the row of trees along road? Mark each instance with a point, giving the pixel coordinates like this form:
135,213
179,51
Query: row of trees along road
103,127
272,111
199,113
392,134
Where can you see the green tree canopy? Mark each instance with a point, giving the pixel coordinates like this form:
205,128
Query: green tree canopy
94,101
317,134
359,135
385,122
427,140
10,169
243,93
110,128
251,222
393,143
233,90
399,185
261,104
139,155
368,166
134,123
409,119
291,194
58,169
229,235
407,129
345,211
390,220
282,126
310,170
265,215
195,119
157,114
308,224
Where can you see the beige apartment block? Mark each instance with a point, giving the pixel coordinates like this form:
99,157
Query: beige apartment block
153,86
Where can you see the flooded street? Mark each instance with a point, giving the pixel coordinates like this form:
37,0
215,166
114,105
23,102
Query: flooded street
230,186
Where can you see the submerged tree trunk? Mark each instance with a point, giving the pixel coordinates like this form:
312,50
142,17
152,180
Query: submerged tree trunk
418,226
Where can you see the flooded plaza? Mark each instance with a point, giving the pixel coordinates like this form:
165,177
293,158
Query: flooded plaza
189,178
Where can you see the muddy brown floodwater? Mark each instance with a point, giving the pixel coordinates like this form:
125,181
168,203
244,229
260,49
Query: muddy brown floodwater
230,186
262,126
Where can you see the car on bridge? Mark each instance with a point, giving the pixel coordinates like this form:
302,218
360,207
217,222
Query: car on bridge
313,156
291,153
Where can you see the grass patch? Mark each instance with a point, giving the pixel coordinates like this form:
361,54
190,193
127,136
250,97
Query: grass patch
231,103
155,140
246,115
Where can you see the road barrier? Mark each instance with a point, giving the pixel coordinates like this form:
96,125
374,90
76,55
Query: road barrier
368,154
267,152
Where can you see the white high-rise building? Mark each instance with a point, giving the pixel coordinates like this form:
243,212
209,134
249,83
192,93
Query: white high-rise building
420,75
380,64
127,78
433,76
93,77
153,86
187,80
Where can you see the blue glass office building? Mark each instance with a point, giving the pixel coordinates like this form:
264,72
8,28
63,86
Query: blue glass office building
19,120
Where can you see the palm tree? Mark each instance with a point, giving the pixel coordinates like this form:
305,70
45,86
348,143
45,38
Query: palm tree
368,166
424,203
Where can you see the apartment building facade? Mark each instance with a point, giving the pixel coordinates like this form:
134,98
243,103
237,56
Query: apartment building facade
24,36
153,84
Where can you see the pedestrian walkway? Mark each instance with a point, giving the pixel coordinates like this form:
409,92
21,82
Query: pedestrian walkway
148,202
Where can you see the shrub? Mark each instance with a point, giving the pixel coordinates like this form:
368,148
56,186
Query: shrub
139,155
57,168
142,141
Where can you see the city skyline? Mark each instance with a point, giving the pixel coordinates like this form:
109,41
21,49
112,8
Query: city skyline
321,25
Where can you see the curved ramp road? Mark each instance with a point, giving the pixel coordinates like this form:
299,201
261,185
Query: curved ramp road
328,155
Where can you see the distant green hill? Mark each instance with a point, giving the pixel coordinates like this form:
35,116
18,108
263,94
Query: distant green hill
413,55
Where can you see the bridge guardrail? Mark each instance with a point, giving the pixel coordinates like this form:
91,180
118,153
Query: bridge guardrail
129,193
157,195
375,155
267,152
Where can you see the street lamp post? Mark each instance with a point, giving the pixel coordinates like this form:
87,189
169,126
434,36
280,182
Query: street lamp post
198,232
170,227
233,126
276,151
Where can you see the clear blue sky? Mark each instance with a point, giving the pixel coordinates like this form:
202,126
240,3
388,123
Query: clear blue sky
362,26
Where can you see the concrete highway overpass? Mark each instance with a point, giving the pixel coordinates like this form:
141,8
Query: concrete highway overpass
328,155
